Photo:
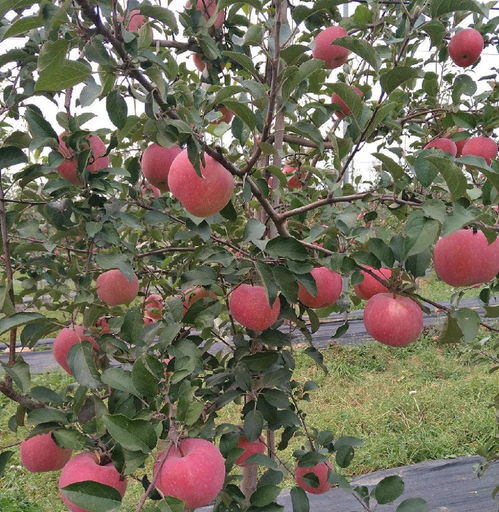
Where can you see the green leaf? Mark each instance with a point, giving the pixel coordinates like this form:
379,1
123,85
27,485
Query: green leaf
264,495
225,3
253,230
161,14
391,166
389,489
82,364
253,425
52,53
20,374
265,271
8,5
47,415
135,435
94,496
421,232
119,379
440,7
67,74
117,109
379,117
143,378
299,500
45,395
244,61
468,322
413,505
492,311
452,174
350,97
309,131
286,283
392,79
71,439
22,26
242,111
38,126
11,155
287,247
451,333
18,319
360,47
436,30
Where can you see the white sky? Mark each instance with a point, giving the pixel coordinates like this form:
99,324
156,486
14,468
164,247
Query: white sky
363,161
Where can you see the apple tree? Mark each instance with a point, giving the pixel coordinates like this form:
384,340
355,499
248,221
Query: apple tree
184,194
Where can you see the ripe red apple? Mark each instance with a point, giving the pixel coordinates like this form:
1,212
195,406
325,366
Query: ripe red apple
147,188
465,47
194,294
40,453
334,56
320,470
460,145
464,258
296,180
69,167
85,467
369,285
66,338
103,324
329,287
444,144
204,196
344,108
250,448
208,8
114,288
193,472
153,306
393,319
199,62
156,162
136,20
250,307
484,147
227,115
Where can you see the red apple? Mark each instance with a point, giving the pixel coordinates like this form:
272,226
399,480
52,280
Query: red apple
464,258
156,162
250,448
66,338
227,115
393,319
68,169
369,285
40,453
114,288
344,108
329,287
85,467
153,306
296,180
193,472
136,20
465,47
250,307
194,294
208,8
444,144
199,62
460,145
103,324
334,56
484,147
320,470
147,188
200,196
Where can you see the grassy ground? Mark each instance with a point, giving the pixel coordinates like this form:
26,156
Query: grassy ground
419,403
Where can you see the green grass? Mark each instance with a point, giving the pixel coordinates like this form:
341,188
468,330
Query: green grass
434,289
409,405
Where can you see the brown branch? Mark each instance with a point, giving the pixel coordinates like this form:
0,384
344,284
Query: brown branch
165,250
7,389
178,45
18,201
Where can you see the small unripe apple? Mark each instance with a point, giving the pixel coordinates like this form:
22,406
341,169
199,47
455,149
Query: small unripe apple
40,453
193,472
194,294
320,470
465,257
85,467
334,56
465,47
369,285
329,286
250,448
136,20
114,288
66,338
249,305
208,8
153,306
344,108
444,144
200,196
484,147
68,169
392,319
156,162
